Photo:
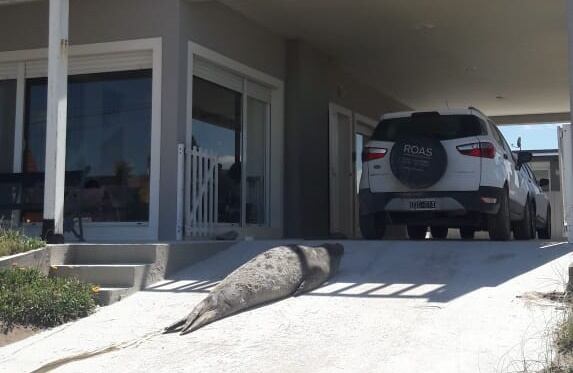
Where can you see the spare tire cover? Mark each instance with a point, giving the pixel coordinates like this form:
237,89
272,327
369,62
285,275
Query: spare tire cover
418,163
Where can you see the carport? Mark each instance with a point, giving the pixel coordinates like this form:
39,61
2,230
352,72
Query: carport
510,59
345,63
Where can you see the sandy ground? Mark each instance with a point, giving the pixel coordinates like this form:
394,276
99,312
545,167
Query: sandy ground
435,306
17,334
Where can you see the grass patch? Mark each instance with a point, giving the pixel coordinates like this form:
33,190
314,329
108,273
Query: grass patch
564,343
565,335
30,298
15,242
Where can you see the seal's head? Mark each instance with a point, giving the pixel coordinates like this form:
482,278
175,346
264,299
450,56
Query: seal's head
335,252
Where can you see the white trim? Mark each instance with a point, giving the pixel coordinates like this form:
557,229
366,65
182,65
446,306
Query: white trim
156,113
207,70
117,230
275,155
234,66
115,61
83,50
244,143
19,118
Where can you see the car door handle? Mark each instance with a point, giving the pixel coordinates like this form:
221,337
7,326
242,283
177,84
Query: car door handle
505,156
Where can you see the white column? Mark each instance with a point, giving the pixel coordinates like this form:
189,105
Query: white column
56,122
567,149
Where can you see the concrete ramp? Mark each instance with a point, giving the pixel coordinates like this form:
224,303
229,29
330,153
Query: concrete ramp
395,306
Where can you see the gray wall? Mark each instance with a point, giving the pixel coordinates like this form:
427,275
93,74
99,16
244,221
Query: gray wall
313,81
219,28
90,22
112,20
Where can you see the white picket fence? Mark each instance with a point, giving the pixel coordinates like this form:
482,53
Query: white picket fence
204,192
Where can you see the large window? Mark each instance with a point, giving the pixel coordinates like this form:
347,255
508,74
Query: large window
235,126
7,114
108,141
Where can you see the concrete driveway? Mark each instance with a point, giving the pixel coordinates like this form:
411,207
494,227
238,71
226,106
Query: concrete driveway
395,306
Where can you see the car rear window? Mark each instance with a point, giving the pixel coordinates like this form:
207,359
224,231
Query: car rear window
433,125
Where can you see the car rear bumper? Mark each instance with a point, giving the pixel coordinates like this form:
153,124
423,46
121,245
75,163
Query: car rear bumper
450,207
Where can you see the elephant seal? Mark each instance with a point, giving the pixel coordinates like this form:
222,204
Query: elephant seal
272,275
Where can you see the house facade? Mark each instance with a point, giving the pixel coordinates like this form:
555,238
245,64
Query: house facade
183,119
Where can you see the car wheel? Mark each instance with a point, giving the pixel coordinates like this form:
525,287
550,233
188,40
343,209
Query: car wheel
439,233
372,226
499,225
467,233
522,229
545,232
417,232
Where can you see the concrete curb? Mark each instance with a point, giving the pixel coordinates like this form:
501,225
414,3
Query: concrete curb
39,259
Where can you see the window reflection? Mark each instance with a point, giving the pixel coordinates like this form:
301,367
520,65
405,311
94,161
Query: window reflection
7,116
217,127
108,138
7,119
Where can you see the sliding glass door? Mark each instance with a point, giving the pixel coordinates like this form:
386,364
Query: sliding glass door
234,124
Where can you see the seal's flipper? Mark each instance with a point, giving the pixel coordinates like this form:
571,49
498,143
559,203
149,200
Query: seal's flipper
174,327
300,290
183,324
196,323
312,280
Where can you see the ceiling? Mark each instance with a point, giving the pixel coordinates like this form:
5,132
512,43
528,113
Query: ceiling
507,57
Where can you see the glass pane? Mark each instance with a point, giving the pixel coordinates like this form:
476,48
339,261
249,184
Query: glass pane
442,127
217,127
108,144
7,120
359,146
257,125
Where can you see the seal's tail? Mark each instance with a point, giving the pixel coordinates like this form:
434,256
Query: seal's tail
199,317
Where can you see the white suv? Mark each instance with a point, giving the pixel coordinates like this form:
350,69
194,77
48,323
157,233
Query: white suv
444,169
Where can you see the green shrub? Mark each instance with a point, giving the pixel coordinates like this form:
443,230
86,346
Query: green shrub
30,298
14,242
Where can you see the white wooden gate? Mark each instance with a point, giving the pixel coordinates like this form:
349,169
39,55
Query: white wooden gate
204,192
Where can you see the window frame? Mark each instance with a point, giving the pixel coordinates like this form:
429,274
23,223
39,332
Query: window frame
225,73
98,58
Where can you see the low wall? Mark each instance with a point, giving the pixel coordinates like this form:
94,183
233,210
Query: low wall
39,259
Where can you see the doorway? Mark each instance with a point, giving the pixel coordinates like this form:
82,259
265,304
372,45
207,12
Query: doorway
348,133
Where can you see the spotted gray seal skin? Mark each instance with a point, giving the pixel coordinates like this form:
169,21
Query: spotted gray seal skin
272,275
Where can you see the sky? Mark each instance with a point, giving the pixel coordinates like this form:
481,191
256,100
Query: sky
533,136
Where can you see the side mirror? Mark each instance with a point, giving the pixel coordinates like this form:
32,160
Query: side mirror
523,157
544,183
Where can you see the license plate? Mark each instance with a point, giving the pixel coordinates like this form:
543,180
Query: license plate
422,204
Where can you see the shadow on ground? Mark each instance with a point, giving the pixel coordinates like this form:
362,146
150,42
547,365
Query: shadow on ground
438,271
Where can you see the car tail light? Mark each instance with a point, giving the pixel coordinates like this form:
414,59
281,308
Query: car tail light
370,154
478,149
